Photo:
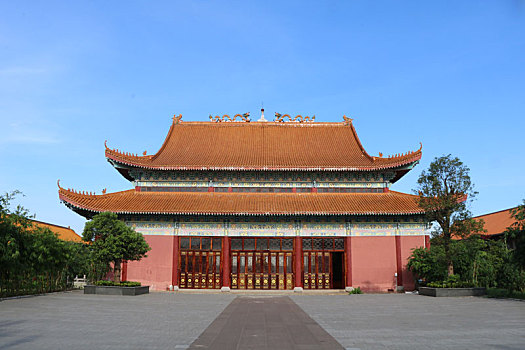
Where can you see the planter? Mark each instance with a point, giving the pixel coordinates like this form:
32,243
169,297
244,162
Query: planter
452,292
116,290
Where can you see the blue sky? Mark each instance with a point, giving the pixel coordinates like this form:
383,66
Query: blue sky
448,74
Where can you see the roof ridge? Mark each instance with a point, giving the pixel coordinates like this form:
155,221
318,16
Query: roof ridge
495,212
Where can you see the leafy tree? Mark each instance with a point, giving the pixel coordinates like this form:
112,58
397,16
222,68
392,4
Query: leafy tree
514,273
516,234
113,242
476,262
444,191
34,259
428,264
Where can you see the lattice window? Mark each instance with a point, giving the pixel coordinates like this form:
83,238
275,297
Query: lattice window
206,243
236,244
249,244
317,244
217,244
287,244
185,243
195,243
307,244
262,244
339,243
275,244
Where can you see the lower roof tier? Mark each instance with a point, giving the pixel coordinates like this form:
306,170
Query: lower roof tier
213,203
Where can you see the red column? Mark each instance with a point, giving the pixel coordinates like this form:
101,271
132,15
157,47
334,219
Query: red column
427,241
348,260
399,262
175,265
124,276
226,261
298,271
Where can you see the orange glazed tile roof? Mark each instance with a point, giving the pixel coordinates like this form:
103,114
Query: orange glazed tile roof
214,203
262,146
64,233
496,223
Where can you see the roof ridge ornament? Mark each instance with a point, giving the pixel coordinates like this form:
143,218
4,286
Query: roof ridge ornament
245,117
177,119
298,118
401,155
347,121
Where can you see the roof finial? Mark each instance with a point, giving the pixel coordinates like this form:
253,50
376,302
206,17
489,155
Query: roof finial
262,119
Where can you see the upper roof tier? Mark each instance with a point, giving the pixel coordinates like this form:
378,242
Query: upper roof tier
286,146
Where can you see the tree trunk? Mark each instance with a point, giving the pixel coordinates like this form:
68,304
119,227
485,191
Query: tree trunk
450,266
116,271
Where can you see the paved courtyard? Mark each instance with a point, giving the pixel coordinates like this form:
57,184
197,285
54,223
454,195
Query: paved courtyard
178,320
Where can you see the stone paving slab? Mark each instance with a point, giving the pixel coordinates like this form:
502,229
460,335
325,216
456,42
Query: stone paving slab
74,320
175,320
404,321
272,322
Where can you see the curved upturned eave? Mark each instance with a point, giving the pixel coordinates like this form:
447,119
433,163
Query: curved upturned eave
129,162
399,199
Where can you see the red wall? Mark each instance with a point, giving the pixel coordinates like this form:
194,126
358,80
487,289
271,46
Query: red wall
155,270
407,244
373,263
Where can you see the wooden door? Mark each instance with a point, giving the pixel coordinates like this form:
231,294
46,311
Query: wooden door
200,263
261,263
323,266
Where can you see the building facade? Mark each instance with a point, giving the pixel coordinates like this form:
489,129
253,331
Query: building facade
234,204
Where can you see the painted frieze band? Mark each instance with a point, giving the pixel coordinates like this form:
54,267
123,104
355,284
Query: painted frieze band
164,184
154,228
276,229
261,229
322,229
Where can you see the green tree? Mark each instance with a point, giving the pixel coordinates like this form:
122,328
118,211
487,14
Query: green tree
476,261
34,259
514,274
444,191
516,234
113,242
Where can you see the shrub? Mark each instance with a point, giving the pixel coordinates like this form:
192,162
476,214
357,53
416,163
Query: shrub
115,284
504,293
477,262
356,290
453,281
